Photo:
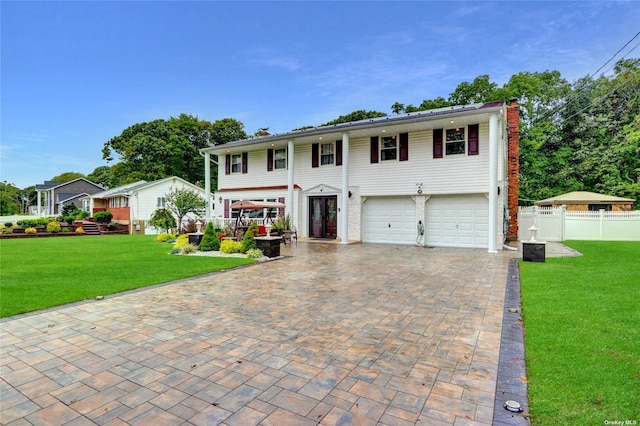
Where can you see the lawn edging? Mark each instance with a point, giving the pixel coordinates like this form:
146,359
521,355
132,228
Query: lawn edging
511,383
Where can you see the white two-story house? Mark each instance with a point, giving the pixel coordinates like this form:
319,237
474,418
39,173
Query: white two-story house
444,177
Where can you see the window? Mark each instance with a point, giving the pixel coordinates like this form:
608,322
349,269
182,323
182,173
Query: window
326,153
388,148
236,163
598,207
160,201
455,141
280,159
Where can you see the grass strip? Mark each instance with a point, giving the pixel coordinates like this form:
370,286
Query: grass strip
582,339
38,273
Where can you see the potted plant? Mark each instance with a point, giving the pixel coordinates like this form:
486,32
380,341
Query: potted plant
283,226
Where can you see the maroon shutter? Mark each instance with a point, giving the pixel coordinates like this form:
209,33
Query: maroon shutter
404,146
269,160
245,161
338,153
280,209
474,139
226,208
374,149
437,143
315,148
227,164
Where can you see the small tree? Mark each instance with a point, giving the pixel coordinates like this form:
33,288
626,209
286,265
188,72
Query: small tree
162,219
182,201
249,240
210,241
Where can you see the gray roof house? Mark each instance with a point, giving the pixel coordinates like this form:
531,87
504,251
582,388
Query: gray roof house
52,195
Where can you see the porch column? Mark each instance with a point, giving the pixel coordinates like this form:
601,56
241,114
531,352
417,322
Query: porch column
344,212
494,131
39,203
207,184
290,182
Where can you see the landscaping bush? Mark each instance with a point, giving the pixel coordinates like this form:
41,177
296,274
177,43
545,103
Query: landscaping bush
210,241
53,227
162,219
30,230
188,249
255,253
230,246
163,238
32,223
103,216
249,239
65,229
8,224
79,230
181,241
7,230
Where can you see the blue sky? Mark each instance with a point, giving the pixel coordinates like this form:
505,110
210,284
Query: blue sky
75,74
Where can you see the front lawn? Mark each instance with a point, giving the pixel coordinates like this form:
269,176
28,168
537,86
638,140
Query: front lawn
582,339
39,273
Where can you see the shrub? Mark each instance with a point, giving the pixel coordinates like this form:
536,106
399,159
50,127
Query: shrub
8,224
53,227
162,219
230,246
174,251
32,223
103,216
163,238
30,230
65,229
181,240
255,253
210,240
7,230
79,230
188,249
249,240
189,227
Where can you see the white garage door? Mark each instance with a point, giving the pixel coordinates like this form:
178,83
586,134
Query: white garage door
389,220
457,221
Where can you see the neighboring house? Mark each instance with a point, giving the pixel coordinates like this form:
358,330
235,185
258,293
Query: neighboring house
452,172
134,203
52,195
588,201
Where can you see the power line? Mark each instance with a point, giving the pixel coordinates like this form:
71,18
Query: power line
616,54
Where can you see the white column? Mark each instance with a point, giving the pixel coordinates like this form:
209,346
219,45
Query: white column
494,131
344,212
290,183
39,202
207,185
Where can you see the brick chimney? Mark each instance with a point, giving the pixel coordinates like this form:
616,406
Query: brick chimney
513,166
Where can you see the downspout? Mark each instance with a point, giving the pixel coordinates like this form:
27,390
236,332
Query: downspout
344,216
493,182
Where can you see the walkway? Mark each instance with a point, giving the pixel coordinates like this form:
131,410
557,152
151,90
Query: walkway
334,334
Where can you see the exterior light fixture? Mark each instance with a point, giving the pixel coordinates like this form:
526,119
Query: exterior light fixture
220,199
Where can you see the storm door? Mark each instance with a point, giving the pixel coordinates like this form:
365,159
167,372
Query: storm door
323,217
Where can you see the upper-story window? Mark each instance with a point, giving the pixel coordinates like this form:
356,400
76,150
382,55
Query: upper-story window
280,159
160,202
236,163
455,141
326,153
388,148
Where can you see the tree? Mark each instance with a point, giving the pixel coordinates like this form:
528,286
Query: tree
397,108
210,239
8,199
182,201
103,176
356,116
67,177
162,219
227,130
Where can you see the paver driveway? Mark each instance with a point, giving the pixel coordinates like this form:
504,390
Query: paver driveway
334,334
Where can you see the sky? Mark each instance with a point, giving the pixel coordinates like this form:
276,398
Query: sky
75,74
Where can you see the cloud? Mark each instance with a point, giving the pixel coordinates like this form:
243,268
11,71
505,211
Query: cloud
272,58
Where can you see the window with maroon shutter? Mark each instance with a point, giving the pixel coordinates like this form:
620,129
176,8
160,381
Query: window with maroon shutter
374,149
315,149
338,153
404,146
269,160
474,139
227,164
226,208
245,161
437,143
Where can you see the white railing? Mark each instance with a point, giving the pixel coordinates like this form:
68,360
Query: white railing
559,224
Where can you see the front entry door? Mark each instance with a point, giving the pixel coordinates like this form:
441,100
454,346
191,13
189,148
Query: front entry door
323,217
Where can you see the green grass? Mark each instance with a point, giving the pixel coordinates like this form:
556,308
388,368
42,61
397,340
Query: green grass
582,338
39,273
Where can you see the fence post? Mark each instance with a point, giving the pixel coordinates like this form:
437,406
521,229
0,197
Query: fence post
601,217
563,222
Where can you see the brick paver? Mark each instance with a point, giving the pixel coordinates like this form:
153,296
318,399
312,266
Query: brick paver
331,334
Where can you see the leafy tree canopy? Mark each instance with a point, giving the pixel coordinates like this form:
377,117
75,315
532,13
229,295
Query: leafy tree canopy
182,201
355,116
68,177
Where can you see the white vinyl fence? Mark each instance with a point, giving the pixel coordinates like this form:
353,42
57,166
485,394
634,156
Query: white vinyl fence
559,224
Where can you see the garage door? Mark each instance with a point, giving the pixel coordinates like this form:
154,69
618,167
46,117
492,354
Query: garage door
457,221
389,220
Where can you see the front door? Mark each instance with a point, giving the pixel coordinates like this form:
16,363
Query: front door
323,217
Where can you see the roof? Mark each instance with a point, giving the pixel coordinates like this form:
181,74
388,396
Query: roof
53,184
584,197
130,188
369,127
